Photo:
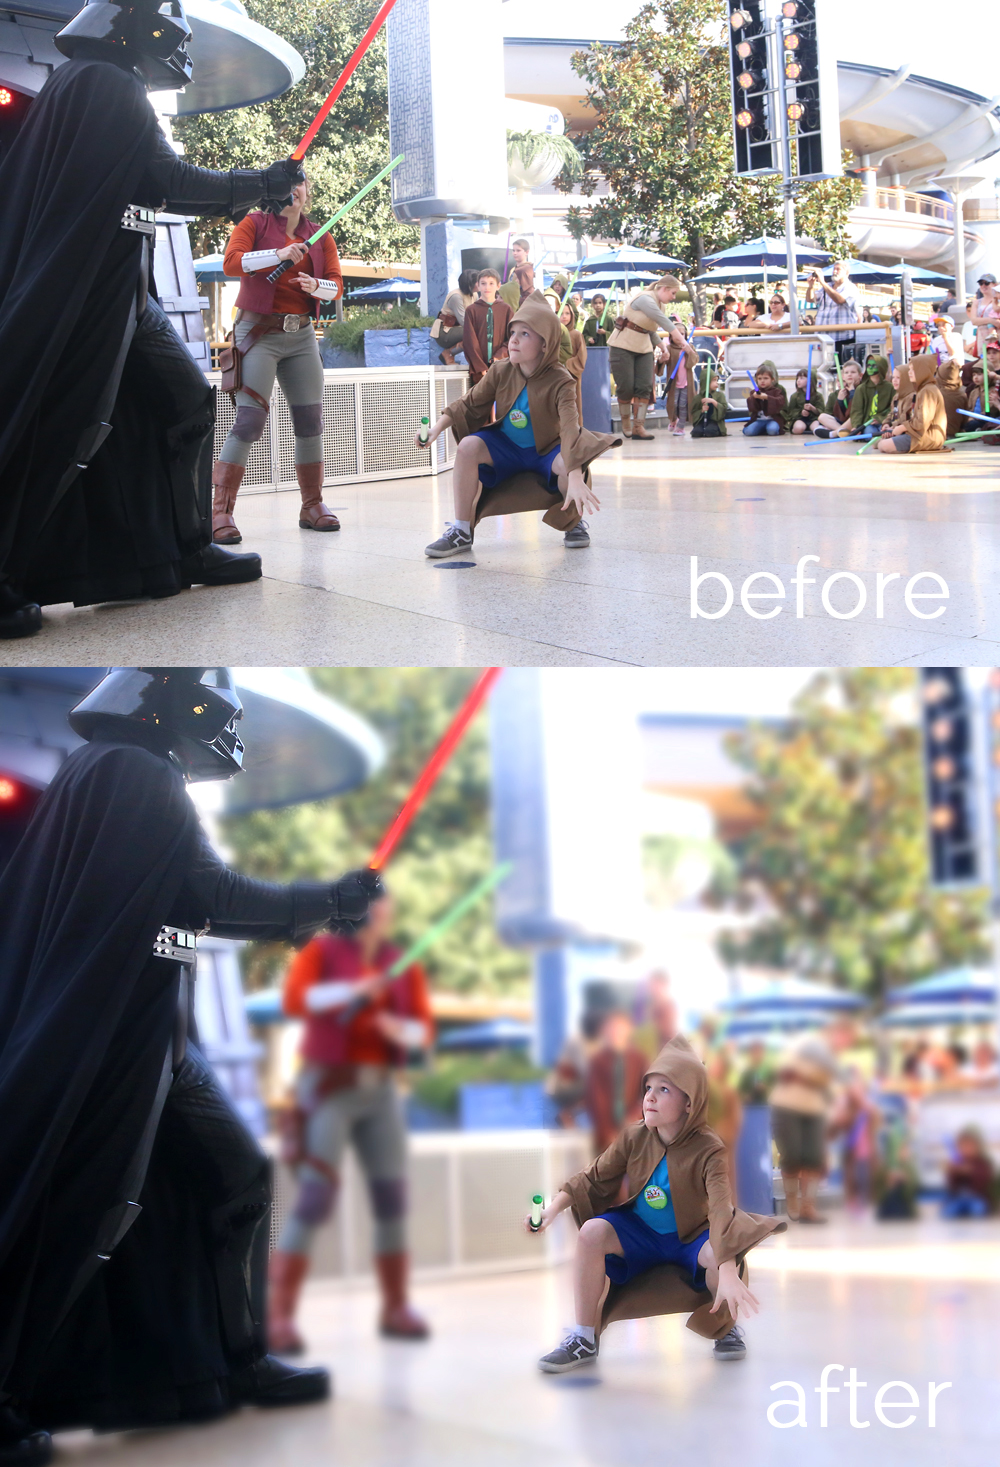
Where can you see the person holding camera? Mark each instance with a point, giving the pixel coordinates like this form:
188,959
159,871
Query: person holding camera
838,302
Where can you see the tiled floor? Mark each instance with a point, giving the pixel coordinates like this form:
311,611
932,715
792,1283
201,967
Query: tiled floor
903,1302
369,596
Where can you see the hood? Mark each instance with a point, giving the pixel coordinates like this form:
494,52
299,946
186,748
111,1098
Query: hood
682,1067
814,386
917,372
881,364
949,375
538,315
768,366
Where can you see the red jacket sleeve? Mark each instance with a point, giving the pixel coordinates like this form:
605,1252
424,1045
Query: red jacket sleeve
304,970
332,262
241,240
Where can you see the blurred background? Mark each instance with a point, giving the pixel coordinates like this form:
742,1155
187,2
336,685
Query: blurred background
794,868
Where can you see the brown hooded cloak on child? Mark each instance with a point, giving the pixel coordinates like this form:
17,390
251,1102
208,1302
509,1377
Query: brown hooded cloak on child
948,380
699,1191
555,420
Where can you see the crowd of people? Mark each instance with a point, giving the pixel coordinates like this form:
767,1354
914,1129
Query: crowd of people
828,1111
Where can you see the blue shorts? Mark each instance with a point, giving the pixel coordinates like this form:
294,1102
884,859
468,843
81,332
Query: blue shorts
644,1248
508,459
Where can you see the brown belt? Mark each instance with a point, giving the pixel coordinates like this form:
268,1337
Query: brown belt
274,321
622,323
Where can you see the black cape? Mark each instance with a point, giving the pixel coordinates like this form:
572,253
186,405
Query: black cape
90,146
113,851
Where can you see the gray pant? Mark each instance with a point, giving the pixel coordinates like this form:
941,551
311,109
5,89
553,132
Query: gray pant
293,357
371,1118
632,371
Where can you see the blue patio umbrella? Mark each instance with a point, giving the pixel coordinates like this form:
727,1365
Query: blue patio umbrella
762,252
794,993
209,269
866,273
927,1015
627,260
956,985
388,290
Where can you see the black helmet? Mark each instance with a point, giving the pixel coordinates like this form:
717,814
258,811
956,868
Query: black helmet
187,713
151,35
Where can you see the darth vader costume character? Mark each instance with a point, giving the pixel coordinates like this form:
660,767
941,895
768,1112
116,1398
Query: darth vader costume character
107,423
134,1204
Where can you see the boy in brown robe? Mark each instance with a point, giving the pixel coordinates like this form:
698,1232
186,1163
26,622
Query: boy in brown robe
521,280
677,1239
487,321
535,453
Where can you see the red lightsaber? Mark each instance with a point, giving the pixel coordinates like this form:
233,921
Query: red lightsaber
433,767
343,78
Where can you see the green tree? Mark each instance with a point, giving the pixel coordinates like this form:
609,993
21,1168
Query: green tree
352,145
840,855
663,142
446,850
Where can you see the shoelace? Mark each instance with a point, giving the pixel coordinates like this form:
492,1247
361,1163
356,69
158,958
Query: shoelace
571,1338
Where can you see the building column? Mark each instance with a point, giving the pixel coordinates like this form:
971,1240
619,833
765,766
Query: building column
440,264
551,1004
958,199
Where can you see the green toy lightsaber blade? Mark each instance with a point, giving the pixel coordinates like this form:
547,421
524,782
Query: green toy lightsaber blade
279,270
453,915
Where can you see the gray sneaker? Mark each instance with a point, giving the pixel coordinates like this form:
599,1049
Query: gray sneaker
452,542
573,1352
577,538
731,1346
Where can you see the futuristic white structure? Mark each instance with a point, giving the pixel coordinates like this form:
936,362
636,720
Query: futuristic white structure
920,143
236,61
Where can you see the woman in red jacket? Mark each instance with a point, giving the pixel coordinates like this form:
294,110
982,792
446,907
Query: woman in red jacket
358,1028
274,329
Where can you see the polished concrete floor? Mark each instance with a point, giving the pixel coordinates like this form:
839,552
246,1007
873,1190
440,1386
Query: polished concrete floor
369,596
900,1302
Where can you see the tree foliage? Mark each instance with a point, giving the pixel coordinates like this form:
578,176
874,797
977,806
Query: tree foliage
351,147
446,850
840,854
663,142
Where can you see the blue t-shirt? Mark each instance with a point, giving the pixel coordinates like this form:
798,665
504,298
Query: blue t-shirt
517,424
653,1204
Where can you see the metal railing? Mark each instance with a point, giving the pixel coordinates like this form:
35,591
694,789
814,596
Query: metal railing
903,202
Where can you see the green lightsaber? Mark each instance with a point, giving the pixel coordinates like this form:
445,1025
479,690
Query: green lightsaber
537,1203
453,915
279,270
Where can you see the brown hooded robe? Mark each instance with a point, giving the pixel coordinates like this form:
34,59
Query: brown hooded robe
700,1193
555,419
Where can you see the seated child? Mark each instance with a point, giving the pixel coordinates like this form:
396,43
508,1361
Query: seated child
976,402
948,379
872,400
766,404
838,404
679,1211
969,1179
803,410
535,451
709,406
918,417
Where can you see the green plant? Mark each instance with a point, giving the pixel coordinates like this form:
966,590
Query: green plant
439,1084
350,333
531,145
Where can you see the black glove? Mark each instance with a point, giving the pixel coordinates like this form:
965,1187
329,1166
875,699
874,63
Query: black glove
279,180
351,897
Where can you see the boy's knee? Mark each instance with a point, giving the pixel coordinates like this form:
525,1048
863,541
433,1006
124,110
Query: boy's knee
798,427
594,1232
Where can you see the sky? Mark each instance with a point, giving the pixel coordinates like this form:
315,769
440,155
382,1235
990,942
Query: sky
882,33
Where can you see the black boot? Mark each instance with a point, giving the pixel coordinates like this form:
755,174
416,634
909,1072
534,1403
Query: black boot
272,1383
19,1445
18,616
214,565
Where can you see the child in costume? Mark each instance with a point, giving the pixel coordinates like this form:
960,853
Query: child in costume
708,405
970,1179
948,380
596,328
872,400
677,1240
766,403
804,406
535,451
577,359
920,424
976,401
677,382
521,280
487,321
838,404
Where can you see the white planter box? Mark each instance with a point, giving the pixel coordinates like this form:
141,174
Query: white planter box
370,415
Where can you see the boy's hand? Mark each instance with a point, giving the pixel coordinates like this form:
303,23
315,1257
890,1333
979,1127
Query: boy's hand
580,494
432,435
733,1292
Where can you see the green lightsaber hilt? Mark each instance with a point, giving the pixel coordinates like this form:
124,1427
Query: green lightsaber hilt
279,270
537,1203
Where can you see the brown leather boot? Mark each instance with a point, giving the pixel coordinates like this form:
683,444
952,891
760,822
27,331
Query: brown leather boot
809,1212
227,479
625,408
284,1282
447,356
397,1320
314,514
791,1181
638,430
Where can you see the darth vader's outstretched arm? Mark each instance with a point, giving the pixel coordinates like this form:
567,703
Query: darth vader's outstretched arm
168,182
232,905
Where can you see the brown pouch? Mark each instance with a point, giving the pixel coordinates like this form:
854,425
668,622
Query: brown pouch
291,1121
231,359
